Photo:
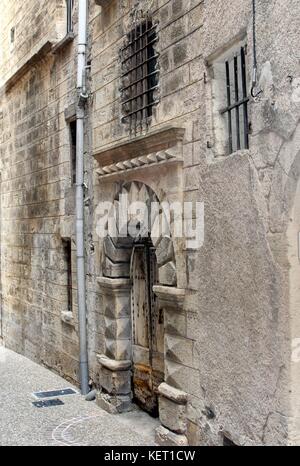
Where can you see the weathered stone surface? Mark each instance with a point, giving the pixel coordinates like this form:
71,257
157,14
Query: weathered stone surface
179,349
167,274
91,396
193,434
115,383
118,328
115,270
182,377
165,437
177,396
172,415
175,323
240,291
164,251
115,254
118,349
113,365
114,404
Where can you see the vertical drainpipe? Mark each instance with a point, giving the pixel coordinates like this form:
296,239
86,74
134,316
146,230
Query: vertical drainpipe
81,286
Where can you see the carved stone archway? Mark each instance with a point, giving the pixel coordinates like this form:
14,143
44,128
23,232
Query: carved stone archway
154,159
115,381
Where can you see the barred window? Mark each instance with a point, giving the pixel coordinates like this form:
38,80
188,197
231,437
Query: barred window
230,100
70,5
139,76
236,110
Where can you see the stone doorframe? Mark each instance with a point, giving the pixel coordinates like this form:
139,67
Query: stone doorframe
156,158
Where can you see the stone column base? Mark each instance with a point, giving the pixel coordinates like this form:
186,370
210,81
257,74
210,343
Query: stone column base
114,395
114,404
172,415
167,438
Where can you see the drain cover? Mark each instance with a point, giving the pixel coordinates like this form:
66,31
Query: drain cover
55,393
47,403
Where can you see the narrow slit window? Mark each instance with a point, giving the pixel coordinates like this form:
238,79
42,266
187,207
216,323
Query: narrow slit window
73,136
236,110
67,246
69,15
139,75
12,35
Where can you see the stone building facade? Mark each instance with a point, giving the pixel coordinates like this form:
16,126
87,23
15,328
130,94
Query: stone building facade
205,338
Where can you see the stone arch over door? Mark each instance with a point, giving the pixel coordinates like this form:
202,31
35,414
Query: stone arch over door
116,365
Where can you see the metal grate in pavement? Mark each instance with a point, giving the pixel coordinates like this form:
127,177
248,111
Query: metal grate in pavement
47,403
55,393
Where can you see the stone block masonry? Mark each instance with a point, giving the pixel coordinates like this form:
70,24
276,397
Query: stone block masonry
228,312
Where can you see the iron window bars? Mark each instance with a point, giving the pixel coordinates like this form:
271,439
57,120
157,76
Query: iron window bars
139,75
69,16
237,102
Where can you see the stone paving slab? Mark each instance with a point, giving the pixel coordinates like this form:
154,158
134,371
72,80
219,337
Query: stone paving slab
77,422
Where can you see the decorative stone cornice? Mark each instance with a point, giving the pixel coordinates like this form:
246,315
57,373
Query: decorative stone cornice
158,158
114,283
153,142
178,396
113,365
169,296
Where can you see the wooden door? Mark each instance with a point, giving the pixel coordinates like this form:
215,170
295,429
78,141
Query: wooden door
147,329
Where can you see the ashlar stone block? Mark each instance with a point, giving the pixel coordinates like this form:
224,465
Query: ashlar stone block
115,383
172,415
164,251
118,349
165,437
167,274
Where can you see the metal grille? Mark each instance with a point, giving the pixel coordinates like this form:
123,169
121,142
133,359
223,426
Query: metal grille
139,76
68,264
236,110
69,15
55,393
47,403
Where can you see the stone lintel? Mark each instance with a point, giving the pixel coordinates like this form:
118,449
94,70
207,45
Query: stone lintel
115,284
154,141
113,365
170,296
173,394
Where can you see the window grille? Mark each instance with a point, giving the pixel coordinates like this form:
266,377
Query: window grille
69,15
73,137
139,76
236,110
67,245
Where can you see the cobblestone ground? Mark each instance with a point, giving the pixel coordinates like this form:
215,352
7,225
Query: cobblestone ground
77,422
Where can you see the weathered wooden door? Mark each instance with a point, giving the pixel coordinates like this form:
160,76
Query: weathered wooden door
147,329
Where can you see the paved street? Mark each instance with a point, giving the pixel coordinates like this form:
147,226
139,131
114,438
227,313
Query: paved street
77,422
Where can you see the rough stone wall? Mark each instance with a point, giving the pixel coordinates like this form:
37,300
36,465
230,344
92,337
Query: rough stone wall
235,357
181,84
249,291
234,337
35,172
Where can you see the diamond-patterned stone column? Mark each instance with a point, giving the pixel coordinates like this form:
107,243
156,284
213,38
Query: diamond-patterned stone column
115,366
172,400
